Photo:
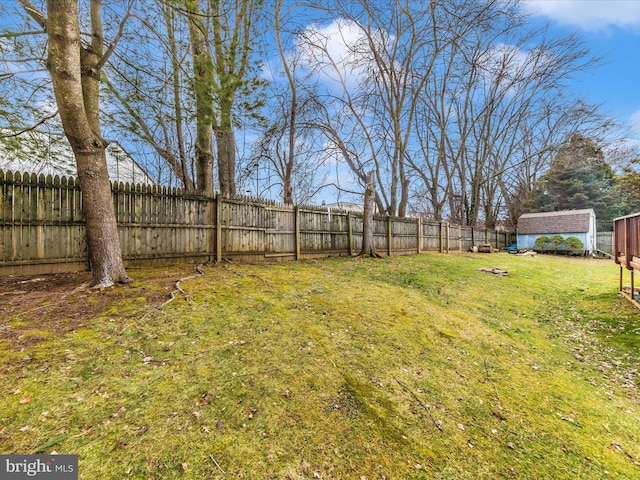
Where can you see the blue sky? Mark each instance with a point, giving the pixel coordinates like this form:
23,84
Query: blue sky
610,28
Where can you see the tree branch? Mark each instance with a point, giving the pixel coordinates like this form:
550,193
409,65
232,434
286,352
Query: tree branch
437,423
29,129
114,42
22,34
36,14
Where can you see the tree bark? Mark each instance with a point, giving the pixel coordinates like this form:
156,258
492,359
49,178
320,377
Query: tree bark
233,34
75,85
290,159
226,148
368,247
168,13
203,87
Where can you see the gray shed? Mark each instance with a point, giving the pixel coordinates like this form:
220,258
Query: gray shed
568,223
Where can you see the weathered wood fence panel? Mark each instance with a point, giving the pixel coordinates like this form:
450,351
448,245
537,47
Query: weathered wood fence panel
323,231
626,250
42,228
604,242
159,223
41,219
432,237
404,236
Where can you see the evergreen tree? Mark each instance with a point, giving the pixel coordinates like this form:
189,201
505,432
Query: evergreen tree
628,189
578,177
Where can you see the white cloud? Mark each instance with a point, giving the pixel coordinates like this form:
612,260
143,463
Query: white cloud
340,52
503,59
329,50
508,66
590,15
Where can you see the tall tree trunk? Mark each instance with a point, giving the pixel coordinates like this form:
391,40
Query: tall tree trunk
404,197
226,148
203,86
233,34
168,13
290,161
75,81
368,246
288,191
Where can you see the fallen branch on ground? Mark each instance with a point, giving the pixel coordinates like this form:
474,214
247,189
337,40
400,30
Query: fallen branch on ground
437,423
244,275
488,378
179,290
216,463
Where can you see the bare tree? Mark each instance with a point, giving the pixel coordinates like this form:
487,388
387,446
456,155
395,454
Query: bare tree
233,35
368,245
189,86
380,82
203,71
289,159
150,94
292,166
74,66
491,104
289,150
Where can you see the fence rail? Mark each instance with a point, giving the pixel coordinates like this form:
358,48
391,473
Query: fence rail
42,228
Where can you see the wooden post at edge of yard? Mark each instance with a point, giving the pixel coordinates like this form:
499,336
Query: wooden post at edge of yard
389,237
218,202
297,230
350,233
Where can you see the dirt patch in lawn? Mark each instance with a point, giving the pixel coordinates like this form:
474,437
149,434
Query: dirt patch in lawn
33,309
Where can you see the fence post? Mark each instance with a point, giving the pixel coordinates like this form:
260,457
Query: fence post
448,237
211,220
349,233
218,202
389,237
459,238
419,234
621,270
297,230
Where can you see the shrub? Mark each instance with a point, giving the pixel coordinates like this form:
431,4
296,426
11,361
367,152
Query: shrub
540,245
573,245
559,244
556,242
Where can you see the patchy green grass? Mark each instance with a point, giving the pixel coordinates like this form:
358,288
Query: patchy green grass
412,367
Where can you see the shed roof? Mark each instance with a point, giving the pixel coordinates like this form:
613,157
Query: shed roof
567,221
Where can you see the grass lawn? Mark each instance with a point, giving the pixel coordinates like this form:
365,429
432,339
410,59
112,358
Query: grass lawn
400,368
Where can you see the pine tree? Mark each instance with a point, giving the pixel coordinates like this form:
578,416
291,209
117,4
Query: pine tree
628,189
578,177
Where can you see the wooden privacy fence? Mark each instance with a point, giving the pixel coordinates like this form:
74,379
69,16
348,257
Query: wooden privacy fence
604,242
42,228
